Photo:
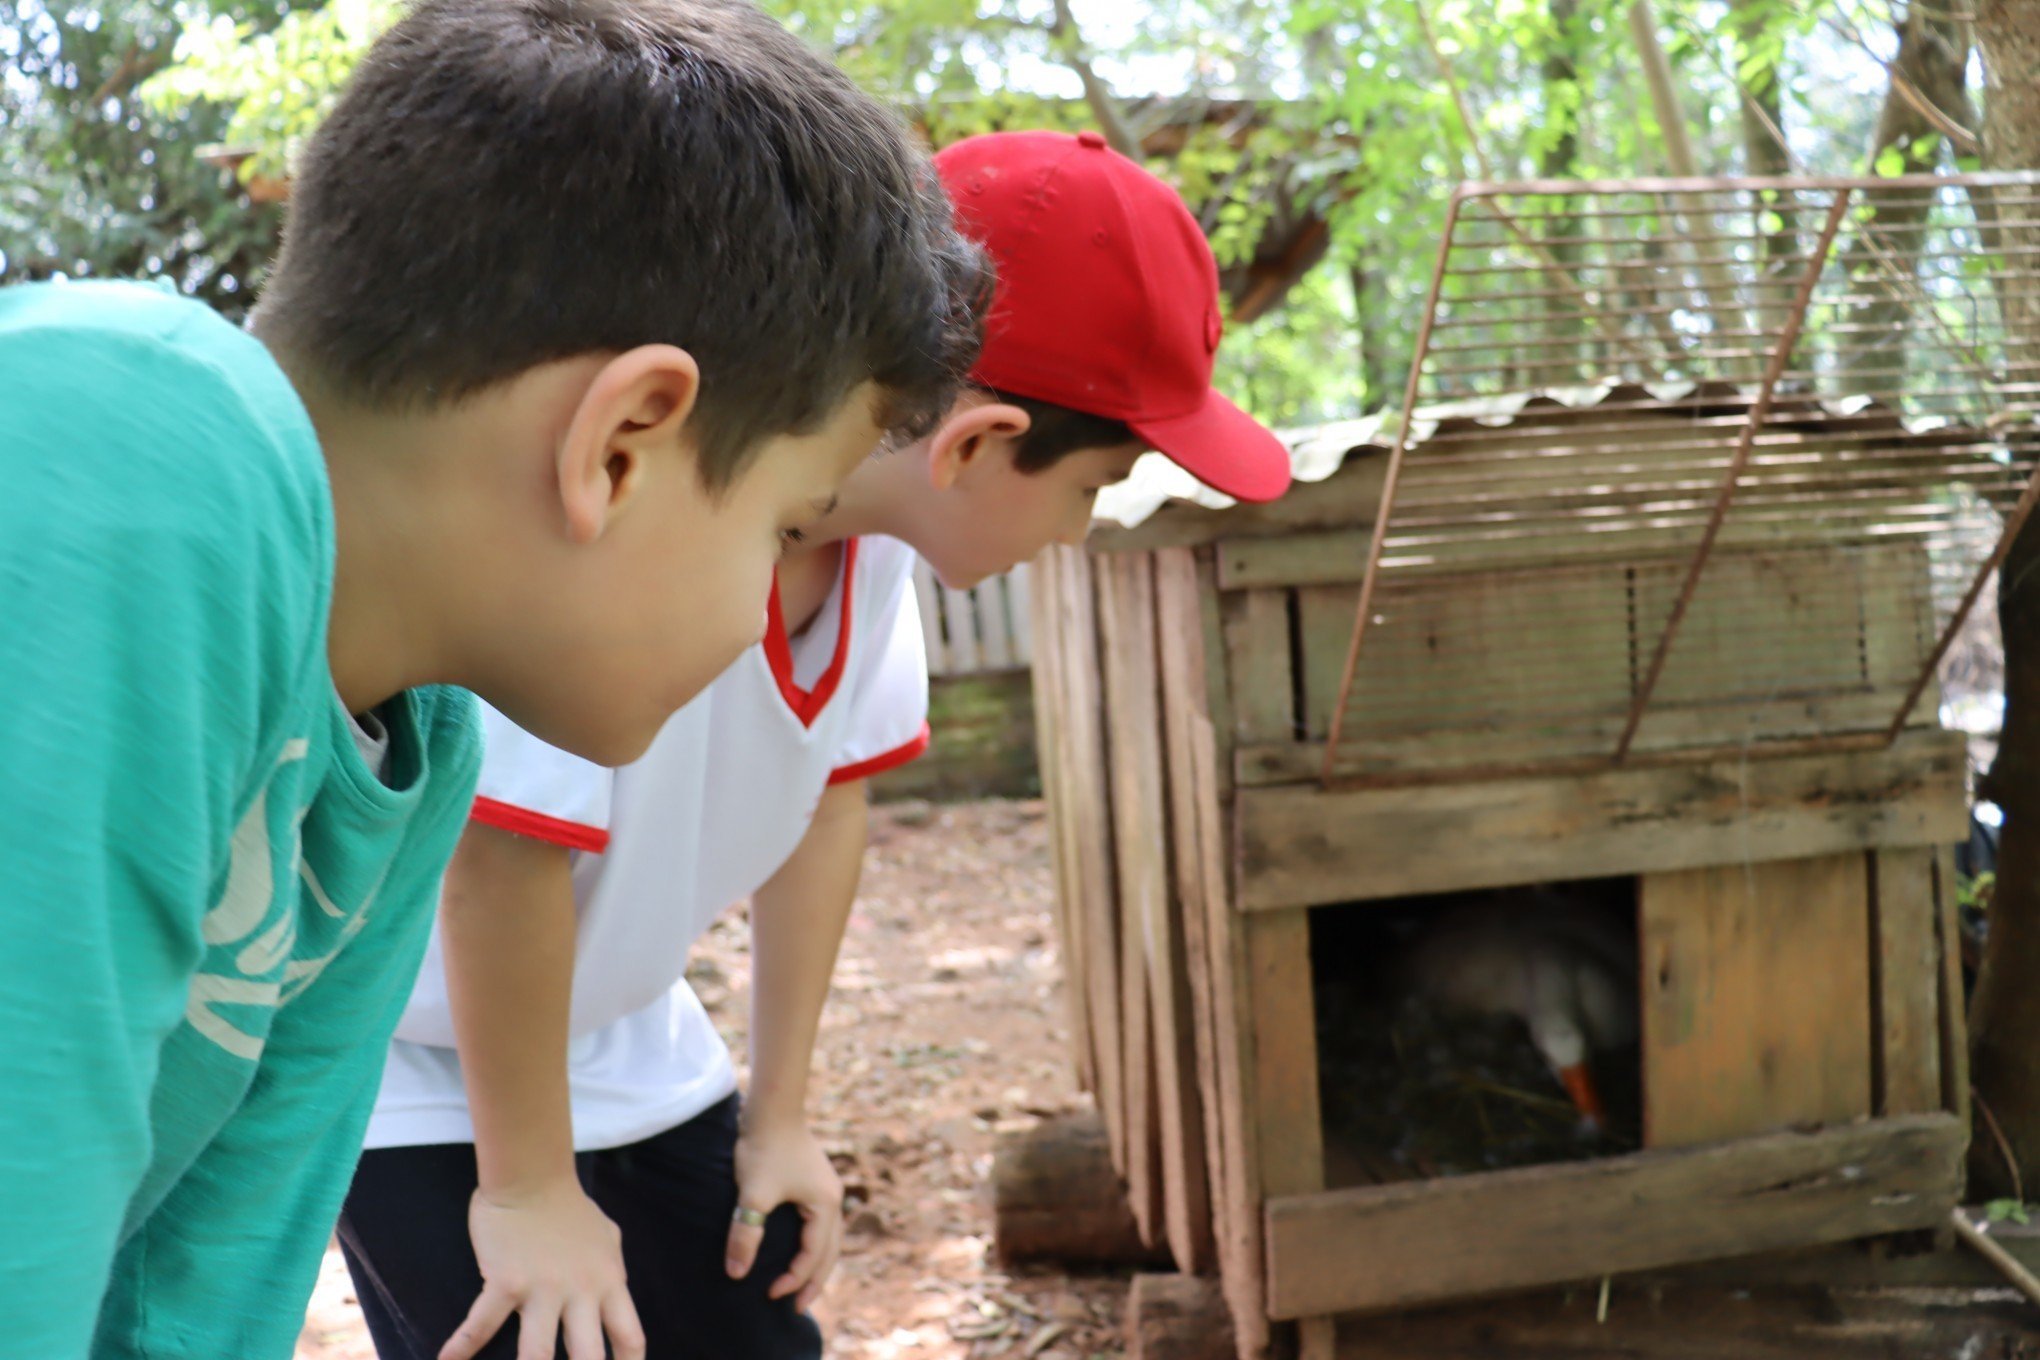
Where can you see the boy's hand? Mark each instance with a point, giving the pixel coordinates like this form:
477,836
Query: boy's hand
557,1260
781,1163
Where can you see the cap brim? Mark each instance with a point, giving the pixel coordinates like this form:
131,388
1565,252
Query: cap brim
1223,447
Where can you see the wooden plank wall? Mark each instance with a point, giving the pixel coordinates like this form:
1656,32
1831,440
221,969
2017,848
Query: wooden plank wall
1164,1104
1196,685
1072,743
1756,998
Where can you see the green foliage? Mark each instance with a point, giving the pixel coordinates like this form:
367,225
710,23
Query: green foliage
2007,1211
277,83
1366,112
96,182
1975,891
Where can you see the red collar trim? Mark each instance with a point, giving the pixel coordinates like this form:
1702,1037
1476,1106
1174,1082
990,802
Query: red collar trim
807,704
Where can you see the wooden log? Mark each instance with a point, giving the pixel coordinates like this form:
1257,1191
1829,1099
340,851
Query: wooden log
1057,1200
1908,1018
1756,999
1177,1317
1671,1323
1401,1245
1299,846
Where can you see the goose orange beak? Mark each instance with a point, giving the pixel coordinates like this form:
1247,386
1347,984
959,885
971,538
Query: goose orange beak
1586,1098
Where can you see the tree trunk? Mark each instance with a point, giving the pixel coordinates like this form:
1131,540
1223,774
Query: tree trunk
1765,154
1560,159
1927,95
1717,291
2005,1016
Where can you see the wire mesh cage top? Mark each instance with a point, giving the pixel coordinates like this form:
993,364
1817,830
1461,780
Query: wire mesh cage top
1782,431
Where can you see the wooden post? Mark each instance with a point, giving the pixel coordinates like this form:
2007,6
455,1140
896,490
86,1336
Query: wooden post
1177,1317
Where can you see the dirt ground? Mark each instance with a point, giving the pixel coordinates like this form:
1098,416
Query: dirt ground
946,1025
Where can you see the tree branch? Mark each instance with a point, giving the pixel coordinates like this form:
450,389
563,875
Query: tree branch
1068,40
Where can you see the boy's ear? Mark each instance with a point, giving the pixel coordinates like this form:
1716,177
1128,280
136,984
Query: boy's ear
633,411
961,440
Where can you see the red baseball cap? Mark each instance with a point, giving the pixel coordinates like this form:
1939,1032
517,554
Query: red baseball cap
1107,299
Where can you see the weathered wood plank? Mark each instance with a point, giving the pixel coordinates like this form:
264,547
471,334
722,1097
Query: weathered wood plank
1674,1322
1954,1004
1756,1000
1051,741
1134,703
1258,665
1302,559
1285,1106
1412,755
1806,620
1180,641
1243,1262
1126,656
1301,846
1908,981
1501,656
1095,901
1237,1181
1400,1245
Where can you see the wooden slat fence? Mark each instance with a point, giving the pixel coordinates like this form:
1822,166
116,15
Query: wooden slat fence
971,632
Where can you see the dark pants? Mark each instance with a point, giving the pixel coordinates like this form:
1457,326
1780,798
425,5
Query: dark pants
405,1235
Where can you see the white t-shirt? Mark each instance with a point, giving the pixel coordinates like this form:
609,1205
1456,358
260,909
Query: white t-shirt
664,845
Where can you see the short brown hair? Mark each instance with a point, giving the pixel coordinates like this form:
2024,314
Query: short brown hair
1055,432
509,182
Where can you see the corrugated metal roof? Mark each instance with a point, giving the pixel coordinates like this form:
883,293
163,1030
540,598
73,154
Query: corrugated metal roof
1316,452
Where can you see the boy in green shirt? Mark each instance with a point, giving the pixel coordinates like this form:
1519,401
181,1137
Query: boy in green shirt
583,306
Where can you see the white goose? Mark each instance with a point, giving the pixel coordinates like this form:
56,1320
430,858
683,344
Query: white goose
1564,968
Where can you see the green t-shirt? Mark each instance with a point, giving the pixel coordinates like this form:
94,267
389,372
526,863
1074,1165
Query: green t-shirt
211,910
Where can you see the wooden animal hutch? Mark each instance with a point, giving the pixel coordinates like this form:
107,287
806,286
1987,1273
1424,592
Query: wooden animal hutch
1672,617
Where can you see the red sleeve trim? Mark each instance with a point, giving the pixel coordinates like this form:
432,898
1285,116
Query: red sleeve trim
524,822
891,760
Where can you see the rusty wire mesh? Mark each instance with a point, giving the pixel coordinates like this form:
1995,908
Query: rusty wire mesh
1696,466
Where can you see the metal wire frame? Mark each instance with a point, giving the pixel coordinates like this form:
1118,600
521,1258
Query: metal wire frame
1659,280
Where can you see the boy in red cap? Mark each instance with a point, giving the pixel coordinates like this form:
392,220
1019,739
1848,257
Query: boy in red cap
545,1129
